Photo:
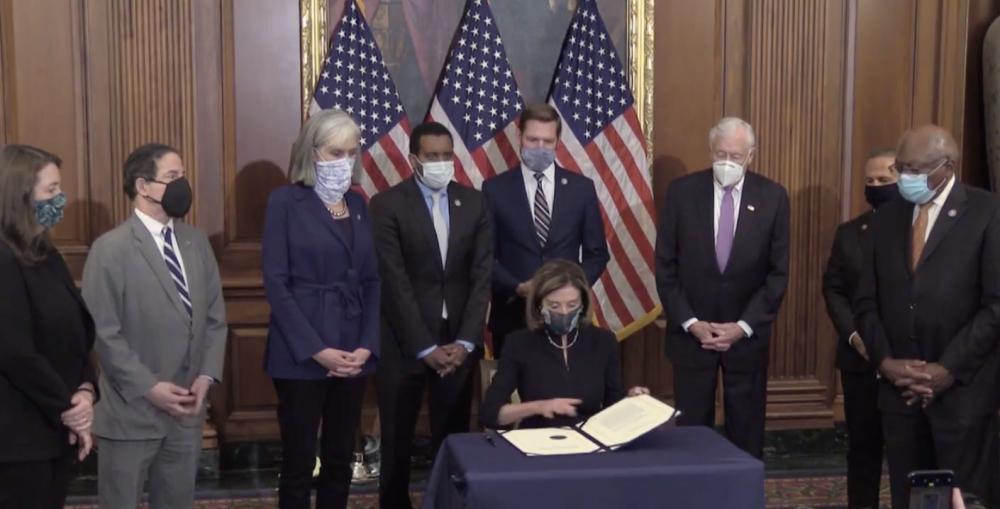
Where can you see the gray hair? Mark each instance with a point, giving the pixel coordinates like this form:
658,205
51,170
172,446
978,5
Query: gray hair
729,126
322,127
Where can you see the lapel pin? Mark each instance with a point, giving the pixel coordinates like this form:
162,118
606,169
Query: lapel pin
864,227
564,181
458,203
751,208
952,213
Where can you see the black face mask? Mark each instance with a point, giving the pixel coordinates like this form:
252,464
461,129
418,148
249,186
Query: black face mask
177,197
876,196
561,324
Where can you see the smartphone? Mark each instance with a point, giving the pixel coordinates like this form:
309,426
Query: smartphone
931,489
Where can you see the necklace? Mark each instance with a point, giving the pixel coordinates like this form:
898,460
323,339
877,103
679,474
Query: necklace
576,334
338,215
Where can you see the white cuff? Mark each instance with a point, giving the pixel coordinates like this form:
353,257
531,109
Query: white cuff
746,328
688,323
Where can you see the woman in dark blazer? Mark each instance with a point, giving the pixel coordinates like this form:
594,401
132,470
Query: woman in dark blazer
563,368
321,279
47,389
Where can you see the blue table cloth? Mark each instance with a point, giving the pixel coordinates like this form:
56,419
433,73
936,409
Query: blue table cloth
682,467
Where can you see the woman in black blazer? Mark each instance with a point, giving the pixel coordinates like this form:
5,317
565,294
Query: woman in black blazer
563,368
47,388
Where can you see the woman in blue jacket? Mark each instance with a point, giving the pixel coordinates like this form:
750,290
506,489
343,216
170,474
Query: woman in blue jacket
321,279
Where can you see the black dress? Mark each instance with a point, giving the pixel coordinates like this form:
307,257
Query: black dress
535,368
46,335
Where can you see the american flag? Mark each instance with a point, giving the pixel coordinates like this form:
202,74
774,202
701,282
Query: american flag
604,141
478,99
355,79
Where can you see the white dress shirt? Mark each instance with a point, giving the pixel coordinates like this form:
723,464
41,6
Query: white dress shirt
737,196
548,185
156,230
935,207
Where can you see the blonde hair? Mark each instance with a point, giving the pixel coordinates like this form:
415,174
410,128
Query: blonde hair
555,275
322,127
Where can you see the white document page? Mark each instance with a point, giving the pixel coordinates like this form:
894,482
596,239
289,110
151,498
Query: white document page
628,419
550,441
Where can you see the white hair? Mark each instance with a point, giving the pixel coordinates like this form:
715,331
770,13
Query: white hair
322,127
729,126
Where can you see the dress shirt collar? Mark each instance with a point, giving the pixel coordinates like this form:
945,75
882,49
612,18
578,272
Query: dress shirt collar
428,192
943,197
155,227
737,187
550,173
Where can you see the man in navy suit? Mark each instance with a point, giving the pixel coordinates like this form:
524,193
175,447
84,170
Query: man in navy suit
721,272
540,212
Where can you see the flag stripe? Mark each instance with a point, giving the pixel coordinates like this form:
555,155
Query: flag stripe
611,213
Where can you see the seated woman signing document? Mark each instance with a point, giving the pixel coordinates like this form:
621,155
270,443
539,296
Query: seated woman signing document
563,368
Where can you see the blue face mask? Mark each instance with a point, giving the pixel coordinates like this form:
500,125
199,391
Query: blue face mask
914,188
49,212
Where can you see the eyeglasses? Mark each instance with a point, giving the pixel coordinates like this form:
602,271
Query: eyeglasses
916,170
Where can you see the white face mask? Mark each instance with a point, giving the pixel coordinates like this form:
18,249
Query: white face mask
437,174
333,179
727,173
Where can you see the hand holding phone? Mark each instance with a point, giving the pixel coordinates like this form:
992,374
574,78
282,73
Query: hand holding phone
931,489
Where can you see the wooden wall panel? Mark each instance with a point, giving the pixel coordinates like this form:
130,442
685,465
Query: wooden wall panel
791,99
266,96
45,98
151,84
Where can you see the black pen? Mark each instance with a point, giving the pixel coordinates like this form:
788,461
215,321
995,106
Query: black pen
489,438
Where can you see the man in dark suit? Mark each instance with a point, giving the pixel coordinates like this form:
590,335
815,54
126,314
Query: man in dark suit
929,314
435,251
721,272
857,375
540,212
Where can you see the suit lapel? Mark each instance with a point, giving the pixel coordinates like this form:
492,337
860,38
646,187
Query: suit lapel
559,205
146,245
516,191
192,268
458,219
747,220
949,214
422,216
314,205
705,211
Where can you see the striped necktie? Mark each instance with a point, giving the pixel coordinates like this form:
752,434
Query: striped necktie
174,266
541,209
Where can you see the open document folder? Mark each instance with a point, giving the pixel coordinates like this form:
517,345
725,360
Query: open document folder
610,429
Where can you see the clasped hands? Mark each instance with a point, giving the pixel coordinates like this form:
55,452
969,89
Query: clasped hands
342,364
445,359
180,401
920,381
718,337
78,418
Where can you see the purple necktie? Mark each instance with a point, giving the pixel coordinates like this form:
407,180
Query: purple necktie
724,237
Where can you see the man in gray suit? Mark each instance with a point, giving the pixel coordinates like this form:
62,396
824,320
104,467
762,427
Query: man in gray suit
152,285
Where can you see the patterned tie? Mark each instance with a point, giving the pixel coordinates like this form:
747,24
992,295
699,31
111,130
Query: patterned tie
441,229
920,234
542,217
174,266
724,237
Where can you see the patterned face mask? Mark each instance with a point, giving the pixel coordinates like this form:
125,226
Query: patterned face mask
49,212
